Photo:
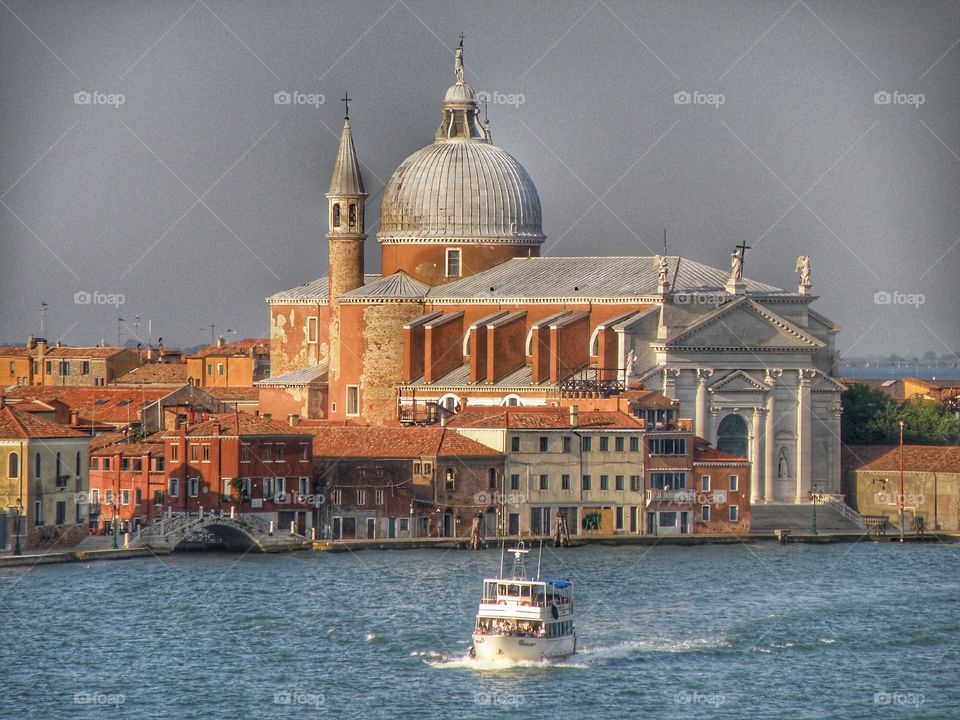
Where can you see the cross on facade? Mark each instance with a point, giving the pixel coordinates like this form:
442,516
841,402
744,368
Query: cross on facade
743,247
346,104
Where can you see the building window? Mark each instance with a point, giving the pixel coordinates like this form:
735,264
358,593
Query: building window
174,453
378,496
566,443
124,497
618,519
61,512
604,482
668,480
95,496
353,215
668,446
353,400
305,452
337,497
586,482
564,482
138,465
125,463
219,368
634,483
604,443
734,513
268,488
245,488
514,482
587,443
13,466
158,465
85,367
618,443
416,468
174,487
361,497
734,483
94,463
453,262
705,483
267,453
544,482
36,465
38,513
61,478
634,444
194,487
515,443
194,452
312,329
205,454
492,479
336,215
108,497
209,368
544,443
158,497
107,463
64,367
705,513
449,479
138,497
245,452
618,482
304,487
426,468
79,464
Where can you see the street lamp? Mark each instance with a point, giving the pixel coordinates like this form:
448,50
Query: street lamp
16,542
900,500
815,496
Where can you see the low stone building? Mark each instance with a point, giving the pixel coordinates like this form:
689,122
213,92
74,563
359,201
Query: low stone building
236,364
406,482
931,484
37,363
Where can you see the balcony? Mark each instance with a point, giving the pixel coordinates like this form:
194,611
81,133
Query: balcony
671,497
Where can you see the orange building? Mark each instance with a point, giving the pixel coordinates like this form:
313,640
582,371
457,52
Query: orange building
236,364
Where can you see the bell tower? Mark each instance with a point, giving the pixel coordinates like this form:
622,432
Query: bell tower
345,234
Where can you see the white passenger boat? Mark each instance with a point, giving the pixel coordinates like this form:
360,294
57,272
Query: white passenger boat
523,618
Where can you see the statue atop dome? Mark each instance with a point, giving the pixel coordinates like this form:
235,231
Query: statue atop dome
458,61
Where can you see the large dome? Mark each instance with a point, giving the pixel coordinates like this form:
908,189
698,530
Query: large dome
461,189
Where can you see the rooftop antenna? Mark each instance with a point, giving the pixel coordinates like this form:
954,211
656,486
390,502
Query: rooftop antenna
664,241
43,318
136,326
119,330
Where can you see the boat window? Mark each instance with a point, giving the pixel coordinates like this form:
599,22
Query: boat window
525,591
515,591
501,589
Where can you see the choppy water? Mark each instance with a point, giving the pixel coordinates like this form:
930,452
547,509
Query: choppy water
743,631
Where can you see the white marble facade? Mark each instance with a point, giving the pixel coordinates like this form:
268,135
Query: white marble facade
754,374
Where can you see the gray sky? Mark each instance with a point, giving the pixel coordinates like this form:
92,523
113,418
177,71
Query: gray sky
198,195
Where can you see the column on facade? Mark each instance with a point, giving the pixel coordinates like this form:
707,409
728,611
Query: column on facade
803,436
835,444
756,478
701,410
770,448
670,382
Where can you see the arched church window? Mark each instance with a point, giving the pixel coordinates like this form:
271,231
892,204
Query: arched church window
13,466
336,215
732,436
353,215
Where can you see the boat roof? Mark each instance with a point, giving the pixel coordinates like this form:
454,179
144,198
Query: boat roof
544,581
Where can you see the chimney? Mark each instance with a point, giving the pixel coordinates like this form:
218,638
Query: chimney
31,342
293,420
220,341
59,344
74,418
574,415
443,419
3,401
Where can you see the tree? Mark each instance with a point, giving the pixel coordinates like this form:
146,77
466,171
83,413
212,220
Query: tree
869,416
928,422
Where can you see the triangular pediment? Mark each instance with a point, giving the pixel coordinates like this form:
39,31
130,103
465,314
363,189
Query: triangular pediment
738,381
743,324
825,383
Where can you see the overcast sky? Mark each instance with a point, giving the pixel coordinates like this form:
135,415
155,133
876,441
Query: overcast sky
194,195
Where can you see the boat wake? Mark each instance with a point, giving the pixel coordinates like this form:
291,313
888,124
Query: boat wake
465,662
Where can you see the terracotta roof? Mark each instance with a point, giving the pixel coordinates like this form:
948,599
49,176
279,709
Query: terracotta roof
103,439
25,425
542,419
155,373
647,398
703,453
233,424
15,351
129,449
82,352
226,394
916,458
95,404
240,347
390,442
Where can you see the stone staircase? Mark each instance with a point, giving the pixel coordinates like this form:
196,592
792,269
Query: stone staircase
98,542
798,519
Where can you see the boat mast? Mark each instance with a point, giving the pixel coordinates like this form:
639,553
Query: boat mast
502,550
539,557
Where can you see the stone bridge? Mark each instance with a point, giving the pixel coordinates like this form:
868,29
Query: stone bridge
245,532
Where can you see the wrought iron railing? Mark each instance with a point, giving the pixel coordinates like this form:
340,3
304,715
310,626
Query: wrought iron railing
603,381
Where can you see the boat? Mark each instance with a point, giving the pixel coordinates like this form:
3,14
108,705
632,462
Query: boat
524,618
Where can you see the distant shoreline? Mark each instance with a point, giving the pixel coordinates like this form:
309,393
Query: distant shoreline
892,372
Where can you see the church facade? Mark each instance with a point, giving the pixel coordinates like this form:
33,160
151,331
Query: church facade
466,312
